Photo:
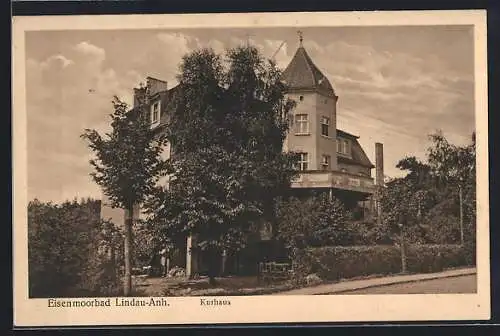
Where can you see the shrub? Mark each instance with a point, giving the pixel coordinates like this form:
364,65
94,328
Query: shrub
434,258
366,232
315,221
334,263
470,253
64,250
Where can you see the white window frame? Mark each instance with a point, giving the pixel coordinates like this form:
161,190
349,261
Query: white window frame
345,146
303,161
325,161
325,121
301,124
155,112
339,145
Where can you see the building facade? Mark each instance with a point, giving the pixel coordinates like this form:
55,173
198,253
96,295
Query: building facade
331,160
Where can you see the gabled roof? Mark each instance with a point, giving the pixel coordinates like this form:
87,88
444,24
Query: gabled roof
303,75
346,135
358,155
169,98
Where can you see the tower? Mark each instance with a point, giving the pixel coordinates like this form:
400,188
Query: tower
313,126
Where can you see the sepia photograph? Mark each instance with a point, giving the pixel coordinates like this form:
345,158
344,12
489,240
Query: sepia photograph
256,164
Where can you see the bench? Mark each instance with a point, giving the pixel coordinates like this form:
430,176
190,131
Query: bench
273,271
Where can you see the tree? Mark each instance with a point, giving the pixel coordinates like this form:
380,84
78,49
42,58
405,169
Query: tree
127,166
313,222
65,250
427,201
226,129
455,166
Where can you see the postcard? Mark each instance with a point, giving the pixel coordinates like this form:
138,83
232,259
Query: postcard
250,168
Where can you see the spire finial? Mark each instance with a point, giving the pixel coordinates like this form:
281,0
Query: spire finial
301,38
249,37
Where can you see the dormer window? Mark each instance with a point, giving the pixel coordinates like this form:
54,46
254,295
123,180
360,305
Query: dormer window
343,147
155,112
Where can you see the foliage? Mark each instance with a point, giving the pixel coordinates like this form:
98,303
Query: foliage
315,221
366,232
335,263
127,161
65,245
227,167
424,205
127,166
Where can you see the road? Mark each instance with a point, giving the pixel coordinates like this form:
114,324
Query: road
453,285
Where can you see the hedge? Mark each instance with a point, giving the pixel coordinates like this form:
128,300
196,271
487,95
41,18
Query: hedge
335,263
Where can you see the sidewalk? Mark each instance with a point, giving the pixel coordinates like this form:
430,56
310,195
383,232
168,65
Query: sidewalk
347,286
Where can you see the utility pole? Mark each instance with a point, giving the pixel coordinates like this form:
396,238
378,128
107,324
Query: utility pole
402,241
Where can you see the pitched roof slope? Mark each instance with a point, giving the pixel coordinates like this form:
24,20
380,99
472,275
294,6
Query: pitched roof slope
302,74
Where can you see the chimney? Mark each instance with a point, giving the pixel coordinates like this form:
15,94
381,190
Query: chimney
379,179
379,164
155,85
139,96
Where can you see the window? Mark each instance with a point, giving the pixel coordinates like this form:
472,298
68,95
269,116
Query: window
303,161
155,112
325,162
325,125
301,98
345,147
301,124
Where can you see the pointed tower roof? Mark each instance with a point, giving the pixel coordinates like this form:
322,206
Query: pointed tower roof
303,75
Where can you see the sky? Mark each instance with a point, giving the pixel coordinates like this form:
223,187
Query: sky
396,85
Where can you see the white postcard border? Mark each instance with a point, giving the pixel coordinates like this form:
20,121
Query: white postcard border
254,309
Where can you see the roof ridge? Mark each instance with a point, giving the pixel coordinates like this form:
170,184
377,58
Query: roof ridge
308,63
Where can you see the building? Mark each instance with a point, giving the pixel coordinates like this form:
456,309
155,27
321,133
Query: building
331,160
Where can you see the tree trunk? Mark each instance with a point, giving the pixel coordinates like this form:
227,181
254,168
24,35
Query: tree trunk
224,262
461,214
403,253
127,289
212,259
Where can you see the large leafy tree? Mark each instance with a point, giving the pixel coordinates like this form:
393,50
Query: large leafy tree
127,165
65,245
226,129
425,203
455,169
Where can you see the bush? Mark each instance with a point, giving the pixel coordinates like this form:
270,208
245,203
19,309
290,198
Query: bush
434,258
315,221
64,250
366,232
335,263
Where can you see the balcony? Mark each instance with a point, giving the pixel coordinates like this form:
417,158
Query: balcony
336,180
